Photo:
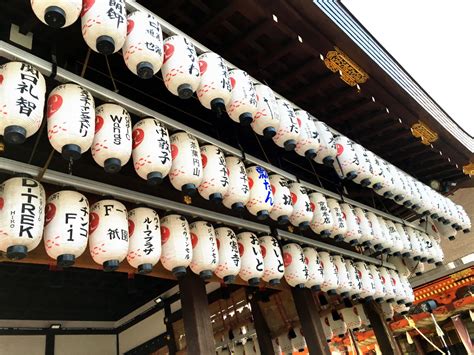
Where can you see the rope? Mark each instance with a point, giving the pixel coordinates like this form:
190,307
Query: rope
411,322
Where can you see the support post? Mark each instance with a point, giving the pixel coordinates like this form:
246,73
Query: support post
261,326
418,345
308,312
170,340
383,333
196,315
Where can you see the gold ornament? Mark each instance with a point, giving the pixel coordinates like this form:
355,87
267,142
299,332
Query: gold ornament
351,73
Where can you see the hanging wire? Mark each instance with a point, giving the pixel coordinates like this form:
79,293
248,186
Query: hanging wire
45,167
86,63
261,147
110,74
315,173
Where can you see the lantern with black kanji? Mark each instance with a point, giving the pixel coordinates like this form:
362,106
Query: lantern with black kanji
327,329
302,213
57,13
251,267
112,144
366,171
71,120
367,286
22,96
215,180
176,245
267,118
327,150
397,286
22,203
343,280
143,48
228,266
144,249
337,325
354,280
308,142
238,193
282,205
379,289
359,309
243,103
398,246
351,318
377,234
364,225
186,169
289,130
388,287
387,241
104,25
205,254
331,281
322,222
347,163
260,202
340,226
108,233
272,260
66,226
353,233
315,269
298,342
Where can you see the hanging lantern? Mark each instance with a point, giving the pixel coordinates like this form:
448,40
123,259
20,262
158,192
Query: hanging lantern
340,226
228,266
296,269
186,169
180,68
242,106
22,217
367,289
272,260
397,247
298,342
387,241
400,265
266,120
144,249
343,280
327,150
376,230
215,180
143,48
282,206
414,242
366,171
176,245
22,94
238,192
386,280
353,234
289,130
112,145
347,164
66,227
364,225
250,347
327,329
308,141
354,280
359,310
406,251
104,25
251,268
205,254
214,91
71,120
351,318
397,286
401,309
387,311
379,289
331,282
315,269
108,233
57,13
239,349
285,343
409,295
302,212
322,222
337,325
260,202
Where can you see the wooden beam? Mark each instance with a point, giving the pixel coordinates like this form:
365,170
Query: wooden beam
247,37
301,70
261,326
268,58
216,18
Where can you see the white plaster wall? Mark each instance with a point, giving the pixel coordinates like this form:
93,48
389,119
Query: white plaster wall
22,344
84,345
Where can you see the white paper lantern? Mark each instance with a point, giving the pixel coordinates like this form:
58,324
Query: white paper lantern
66,228
282,206
340,226
415,243
260,202
400,265
276,347
104,25
285,344
22,96
354,280
215,180
367,289
401,309
186,168
22,203
366,171
176,248
288,131
243,103
327,328
57,13
266,120
143,48
364,225
383,183
229,259
359,310
347,163
387,241
214,91
180,67
387,285
343,280
397,286
308,141
298,342
238,192
353,234
251,347
379,289
296,270
322,222
398,245
144,248
112,144
331,282
410,296
272,260
205,254
378,236
337,325
315,269
387,311
239,349
108,233
327,150
406,251
302,213
251,259
351,319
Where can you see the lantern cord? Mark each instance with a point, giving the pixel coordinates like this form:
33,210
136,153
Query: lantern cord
261,147
315,173
111,75
86,63
37,140
45,167
69,166
412,323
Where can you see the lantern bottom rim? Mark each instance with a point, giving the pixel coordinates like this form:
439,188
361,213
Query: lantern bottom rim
216,197
368,299
245,118
154,178
179,272
353,242
282,220
406,254
310,154
112,165
17,252
145,70
378,247
229,279
289,145
238,206
303,226
54,16
66,260
274,282
365,182
397,253
379,300
110,265
328,161
269,132
218,106
398,198
71,151
339,238
388,194
254,281
188,189
14,134
377,186
351,175
332,292
325,233
316,288
145,268
262,215
390,300
345,294
105,45
205,274
185,91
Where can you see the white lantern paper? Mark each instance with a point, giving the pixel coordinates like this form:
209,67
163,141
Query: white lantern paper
267,118
239,349
366,171
378,235
365,227
108,233
351,318
302,213
57,13
243,103
401,309
229,259
144,248
180,67
359,310
327,151
353,233
22,94
308,141
298,342
331,282
288,131
214,91
71,120
398,246
405,240
143,48
285,344
186,169
215,180
66,228
21,216
272,260
337,325
367,289
347,164
296,270
379,289
387,284
322,222
205,254
354,280
327,328
343,280
340,226
315,269
104,25
260,202
238,192
282,206
251,259
387,311
176,248
112,144
397,286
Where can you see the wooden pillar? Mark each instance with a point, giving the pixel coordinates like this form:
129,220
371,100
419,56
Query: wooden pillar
308,312
261,326
418,345
170,340
196,315
383,333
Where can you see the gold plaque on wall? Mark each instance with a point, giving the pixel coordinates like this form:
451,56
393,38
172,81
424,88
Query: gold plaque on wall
351,73
421,130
